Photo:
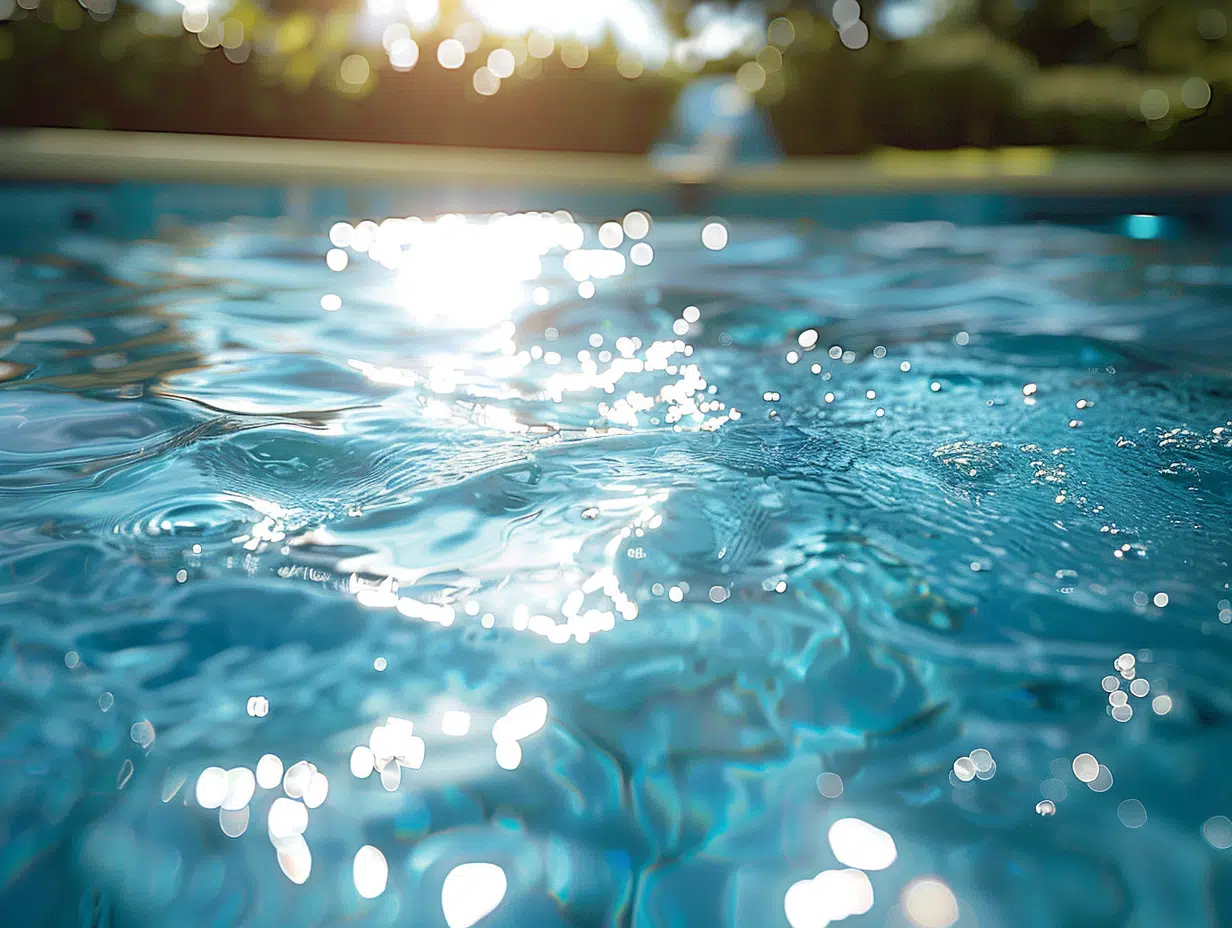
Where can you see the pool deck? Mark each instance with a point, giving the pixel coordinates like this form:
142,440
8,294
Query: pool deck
131,180
78,154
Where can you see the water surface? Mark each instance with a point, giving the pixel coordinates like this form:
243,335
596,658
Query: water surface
782,534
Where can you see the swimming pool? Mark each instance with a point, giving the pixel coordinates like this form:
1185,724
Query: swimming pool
561,570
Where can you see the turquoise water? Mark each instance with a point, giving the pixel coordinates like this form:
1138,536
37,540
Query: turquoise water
630,596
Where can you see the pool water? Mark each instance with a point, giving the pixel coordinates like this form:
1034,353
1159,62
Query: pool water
512,579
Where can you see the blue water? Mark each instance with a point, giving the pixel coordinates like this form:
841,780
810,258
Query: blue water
858,506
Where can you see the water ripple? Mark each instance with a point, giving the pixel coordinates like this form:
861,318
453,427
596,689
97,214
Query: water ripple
855,503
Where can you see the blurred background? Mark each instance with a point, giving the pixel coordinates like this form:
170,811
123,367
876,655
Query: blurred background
827,76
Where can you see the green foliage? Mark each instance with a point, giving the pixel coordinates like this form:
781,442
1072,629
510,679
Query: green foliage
991,73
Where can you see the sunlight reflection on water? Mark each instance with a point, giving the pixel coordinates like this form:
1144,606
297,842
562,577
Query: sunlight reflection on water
659,606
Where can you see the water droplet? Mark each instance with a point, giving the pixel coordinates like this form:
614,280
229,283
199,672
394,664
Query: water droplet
234,822
470,892
508,755
1132,813
830,785
269,771
370,872
294,858
287,818
1054,789
241,784
1086,767
1103,780
318,790
858,844
391,776
982,760
211,787
297,778
1217,830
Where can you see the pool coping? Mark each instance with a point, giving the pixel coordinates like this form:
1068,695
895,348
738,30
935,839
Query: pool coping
104,156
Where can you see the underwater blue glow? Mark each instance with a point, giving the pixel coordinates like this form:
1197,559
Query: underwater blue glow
1144,226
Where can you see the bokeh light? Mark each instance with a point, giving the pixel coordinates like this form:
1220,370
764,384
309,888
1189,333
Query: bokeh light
636,225
540,44
450,54
1217,830
355,70
269,771
854,36
501,63
574,54
469,35
629,65
858,844
423,14
370,872
781,32
1195,93
830,785
471,892
1212,24
714,236
770,59
485,82
751,77
641,254
929,903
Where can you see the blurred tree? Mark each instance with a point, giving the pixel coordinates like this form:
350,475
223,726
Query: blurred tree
838,76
